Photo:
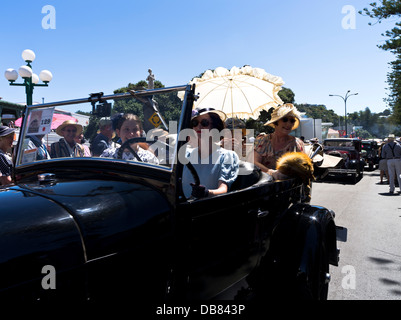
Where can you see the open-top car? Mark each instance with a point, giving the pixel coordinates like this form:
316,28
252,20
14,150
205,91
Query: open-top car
97,227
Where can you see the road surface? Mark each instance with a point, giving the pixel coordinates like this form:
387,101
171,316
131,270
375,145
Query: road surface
370,259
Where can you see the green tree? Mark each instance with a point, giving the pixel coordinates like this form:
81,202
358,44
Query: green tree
287,95
385,10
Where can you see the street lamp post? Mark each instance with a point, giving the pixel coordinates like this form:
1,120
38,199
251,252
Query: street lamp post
30,79
345,98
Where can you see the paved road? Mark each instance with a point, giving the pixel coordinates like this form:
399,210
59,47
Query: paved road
370,259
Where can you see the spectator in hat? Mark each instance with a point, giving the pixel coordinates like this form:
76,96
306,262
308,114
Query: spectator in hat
6,165
216,167
104,138
392,152
269,147
66,146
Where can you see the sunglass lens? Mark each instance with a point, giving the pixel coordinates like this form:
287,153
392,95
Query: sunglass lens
205,123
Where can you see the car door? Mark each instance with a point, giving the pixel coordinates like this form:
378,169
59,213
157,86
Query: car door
222,244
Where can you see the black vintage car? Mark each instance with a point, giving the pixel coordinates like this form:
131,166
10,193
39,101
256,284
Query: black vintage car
102,228
349,149
370,152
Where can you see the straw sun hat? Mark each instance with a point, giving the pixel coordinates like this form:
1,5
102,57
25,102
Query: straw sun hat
66,123
284,110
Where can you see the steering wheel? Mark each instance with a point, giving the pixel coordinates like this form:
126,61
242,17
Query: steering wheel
194,173
127,145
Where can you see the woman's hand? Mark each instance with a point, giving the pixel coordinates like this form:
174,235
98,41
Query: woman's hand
199,191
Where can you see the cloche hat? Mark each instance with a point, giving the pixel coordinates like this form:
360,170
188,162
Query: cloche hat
5,131
200,111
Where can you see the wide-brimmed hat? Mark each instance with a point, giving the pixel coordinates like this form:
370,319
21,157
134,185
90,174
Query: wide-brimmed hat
284,110
5,131
200,111
66,123
391,136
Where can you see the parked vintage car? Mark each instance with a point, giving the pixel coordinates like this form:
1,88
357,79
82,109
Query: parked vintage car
349,149
102,228
370,152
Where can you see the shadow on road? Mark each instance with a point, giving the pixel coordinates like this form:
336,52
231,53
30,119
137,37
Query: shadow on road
388,194
386,281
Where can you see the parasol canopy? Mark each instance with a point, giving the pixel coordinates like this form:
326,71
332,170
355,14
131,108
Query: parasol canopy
239,92
58,119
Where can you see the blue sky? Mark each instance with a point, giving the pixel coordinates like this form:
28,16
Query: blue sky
104,45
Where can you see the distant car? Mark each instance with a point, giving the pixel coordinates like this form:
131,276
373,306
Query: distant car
349,149
370,152
101,228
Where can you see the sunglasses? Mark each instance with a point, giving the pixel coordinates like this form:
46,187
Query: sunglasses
204,123
65,130
285,119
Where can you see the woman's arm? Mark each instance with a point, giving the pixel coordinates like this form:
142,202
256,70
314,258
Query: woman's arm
5,180
222,188
257,159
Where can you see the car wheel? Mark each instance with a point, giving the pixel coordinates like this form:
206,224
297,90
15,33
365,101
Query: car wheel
313,282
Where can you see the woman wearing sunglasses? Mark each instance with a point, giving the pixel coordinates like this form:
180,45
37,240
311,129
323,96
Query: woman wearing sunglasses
216,167
269,147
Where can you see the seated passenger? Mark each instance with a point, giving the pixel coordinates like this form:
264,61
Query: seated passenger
217,167
269,147
66,146
129,126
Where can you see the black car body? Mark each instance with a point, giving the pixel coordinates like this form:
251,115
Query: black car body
349,149
95,228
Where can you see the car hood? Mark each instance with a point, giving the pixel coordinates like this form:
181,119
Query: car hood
109,215
35,232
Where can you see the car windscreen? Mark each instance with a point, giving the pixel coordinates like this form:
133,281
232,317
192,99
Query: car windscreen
145,125
337,143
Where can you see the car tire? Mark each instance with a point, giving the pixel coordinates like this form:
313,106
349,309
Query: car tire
314,283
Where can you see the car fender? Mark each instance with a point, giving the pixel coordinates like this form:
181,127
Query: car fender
301,230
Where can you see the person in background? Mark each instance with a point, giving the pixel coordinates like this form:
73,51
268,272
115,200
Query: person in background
392,152
6,165
37,142
104,138
382,165
81,140
216,167
66,146
269,147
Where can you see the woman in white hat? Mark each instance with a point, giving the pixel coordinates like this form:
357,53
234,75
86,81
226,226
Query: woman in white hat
6,165
66,146
216,167
269,147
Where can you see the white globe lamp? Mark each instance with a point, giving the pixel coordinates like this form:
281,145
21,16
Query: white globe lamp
28,55
25,72
11,75
46,76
